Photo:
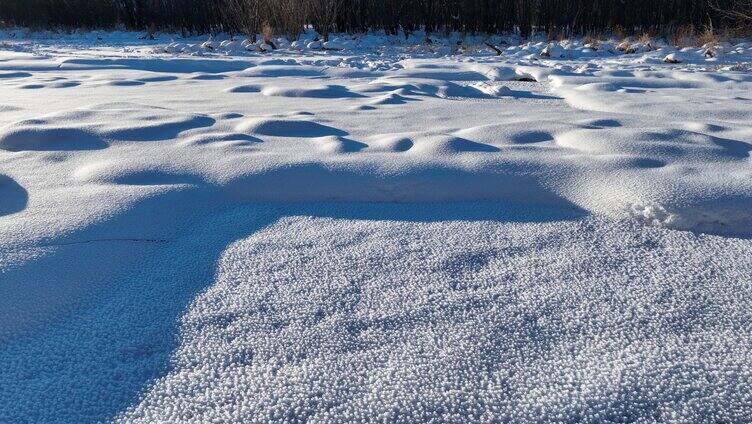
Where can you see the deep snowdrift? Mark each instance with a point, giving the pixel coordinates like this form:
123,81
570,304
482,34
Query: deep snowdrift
256,236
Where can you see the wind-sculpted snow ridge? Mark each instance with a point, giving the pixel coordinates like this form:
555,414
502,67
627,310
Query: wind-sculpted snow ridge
375,233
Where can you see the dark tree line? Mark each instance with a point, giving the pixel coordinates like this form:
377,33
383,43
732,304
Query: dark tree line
188,15
562,16
289,16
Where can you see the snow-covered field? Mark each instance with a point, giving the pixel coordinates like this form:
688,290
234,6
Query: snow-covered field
379,231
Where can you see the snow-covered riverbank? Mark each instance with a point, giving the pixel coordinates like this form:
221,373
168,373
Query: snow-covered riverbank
383,229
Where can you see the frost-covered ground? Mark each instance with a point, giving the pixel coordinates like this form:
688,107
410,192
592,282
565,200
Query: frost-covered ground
382,230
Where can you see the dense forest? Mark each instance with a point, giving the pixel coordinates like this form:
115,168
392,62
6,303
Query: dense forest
289,16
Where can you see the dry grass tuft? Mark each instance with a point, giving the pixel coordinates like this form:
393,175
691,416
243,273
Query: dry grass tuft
645,38
592,40
708,36
555,35
618,32
267,31
684,36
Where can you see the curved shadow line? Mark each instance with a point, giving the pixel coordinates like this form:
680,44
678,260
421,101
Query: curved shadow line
120,335
13,197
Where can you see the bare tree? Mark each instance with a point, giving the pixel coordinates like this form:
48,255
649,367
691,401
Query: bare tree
738,9
323,15
287,17
244,16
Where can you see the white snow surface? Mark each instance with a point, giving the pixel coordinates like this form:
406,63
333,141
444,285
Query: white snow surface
373,229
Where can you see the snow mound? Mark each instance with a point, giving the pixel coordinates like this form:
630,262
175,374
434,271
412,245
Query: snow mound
247,88
287,128
674,58
492,90
145,174
266,71
394,98
33,136
333,144
391,143
511,134
322,92
448,144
